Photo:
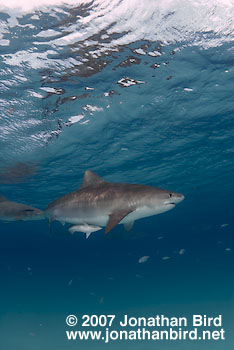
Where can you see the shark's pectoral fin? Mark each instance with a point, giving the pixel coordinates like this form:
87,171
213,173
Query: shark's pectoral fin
128,226
115,218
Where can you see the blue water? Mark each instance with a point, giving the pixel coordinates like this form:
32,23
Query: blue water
63,110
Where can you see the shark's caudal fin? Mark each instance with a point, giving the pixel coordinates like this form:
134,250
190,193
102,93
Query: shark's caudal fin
90,179
115,218
3,199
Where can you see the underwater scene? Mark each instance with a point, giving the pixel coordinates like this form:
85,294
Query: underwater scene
116,174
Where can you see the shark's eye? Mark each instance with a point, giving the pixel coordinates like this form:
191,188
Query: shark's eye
170,195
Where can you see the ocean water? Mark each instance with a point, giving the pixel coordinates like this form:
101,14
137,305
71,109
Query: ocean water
138,92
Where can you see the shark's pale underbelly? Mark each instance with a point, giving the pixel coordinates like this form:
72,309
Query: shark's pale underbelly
101,218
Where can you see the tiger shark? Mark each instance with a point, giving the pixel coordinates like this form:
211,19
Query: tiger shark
98,203
12,211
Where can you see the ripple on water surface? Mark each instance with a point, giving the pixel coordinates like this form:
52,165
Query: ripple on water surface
130,85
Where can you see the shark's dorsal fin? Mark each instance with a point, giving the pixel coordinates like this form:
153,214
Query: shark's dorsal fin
115,218
3,199
90,179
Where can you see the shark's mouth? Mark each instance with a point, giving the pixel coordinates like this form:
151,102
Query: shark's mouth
169,203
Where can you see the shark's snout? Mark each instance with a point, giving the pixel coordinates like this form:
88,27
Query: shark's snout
174,198
178,197
33,214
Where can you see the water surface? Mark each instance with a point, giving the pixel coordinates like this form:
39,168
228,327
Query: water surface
138,92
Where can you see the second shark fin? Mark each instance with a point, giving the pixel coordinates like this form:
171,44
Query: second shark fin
128,226
115,218
87,234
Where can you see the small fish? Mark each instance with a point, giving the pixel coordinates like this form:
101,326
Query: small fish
87,229
143,259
